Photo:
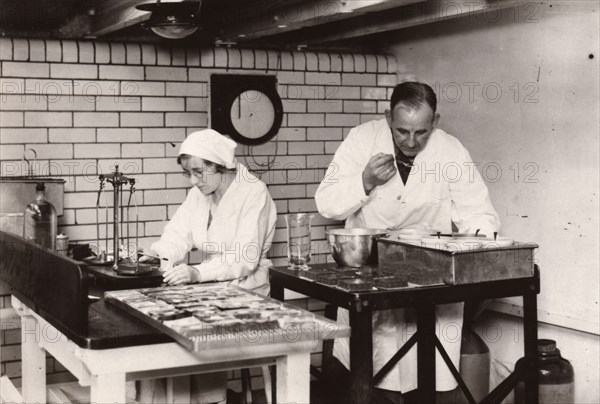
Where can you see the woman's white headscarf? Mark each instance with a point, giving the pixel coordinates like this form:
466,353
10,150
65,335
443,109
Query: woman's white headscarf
210,145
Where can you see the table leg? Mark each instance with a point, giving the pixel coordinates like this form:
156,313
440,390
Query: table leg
361,356
108,389
276,291
178,390
293,378
530,340
426,352
33,362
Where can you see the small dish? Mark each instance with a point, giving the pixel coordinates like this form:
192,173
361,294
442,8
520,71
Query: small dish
464,244
498,242
436,242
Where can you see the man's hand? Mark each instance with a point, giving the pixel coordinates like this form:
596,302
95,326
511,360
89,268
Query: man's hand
379,170
180,275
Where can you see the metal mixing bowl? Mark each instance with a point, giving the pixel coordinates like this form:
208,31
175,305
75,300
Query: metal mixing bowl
354,247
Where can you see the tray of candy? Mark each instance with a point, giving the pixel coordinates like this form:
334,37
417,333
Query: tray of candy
202,316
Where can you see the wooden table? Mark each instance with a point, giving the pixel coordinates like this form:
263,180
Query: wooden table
103,346
361,306
107,370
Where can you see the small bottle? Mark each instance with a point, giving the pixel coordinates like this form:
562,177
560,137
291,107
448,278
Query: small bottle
40,220
556,377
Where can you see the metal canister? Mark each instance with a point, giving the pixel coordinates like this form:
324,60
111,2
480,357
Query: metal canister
62,244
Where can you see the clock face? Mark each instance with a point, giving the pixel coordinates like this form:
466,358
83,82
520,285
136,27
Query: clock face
245,107
252,114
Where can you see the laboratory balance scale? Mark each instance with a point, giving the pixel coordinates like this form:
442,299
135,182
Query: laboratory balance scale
128,264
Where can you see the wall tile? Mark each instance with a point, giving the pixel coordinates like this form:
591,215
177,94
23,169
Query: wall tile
37,50
163,55
163,134
92,88
24,103
70,52
119,135
117,53
87,52
306,119
118,103
148,54
95,119
20,49
121,72
192,57
196,104
360,107
71,103
173,119
23,69
68,135
166,73
23,135
386,80
11,152
326,105
323,78
52,151
143,150
305,148
161,165
324,134
6,49
358,79
139,88
12,85
102,52
133,54
97,150
163,104
141,119
48,119
187,89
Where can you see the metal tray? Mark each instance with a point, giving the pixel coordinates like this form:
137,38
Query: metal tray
430,266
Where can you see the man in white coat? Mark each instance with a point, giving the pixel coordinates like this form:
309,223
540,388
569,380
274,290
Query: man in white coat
404,172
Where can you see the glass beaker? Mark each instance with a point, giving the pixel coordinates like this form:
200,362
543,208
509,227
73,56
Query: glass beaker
298,232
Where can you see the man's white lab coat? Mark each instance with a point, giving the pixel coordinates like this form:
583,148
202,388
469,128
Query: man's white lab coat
444,187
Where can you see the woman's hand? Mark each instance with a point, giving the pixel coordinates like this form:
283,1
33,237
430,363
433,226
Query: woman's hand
181,274
146,254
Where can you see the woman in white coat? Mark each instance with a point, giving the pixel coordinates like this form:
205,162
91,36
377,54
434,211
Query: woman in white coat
229,217
403,172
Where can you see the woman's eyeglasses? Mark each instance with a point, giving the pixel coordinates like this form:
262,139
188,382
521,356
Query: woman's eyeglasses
198,173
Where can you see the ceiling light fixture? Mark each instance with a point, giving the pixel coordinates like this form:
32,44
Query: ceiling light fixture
172,20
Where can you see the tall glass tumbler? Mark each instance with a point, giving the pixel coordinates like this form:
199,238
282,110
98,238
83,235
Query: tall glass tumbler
298,232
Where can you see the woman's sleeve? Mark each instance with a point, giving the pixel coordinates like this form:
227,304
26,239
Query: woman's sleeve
254,227
341,193
176,240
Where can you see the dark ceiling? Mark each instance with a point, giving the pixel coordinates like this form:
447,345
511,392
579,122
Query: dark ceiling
258,23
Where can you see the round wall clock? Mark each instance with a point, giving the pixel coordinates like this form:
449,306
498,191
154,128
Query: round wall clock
245,107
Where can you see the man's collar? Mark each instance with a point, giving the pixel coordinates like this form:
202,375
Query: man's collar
403,158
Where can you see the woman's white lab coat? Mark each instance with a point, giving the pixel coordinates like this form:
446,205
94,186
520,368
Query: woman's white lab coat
234,246
444,187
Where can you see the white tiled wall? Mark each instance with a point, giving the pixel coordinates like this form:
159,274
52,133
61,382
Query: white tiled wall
85,106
